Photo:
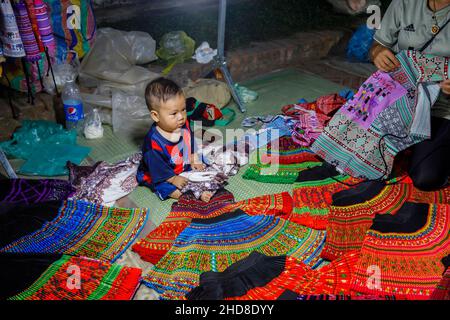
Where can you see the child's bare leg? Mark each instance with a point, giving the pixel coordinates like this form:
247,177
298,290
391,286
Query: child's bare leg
206,196
176,194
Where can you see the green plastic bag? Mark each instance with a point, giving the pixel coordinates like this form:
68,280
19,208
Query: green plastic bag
33,133
246,94
46,146
175,47
51,160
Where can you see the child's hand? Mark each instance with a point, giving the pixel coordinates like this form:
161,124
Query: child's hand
179,182
206,196
198,166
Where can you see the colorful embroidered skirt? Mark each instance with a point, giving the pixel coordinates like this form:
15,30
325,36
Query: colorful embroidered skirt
312,200
406,262
442,290
84,229
259,277
287,152
347,226
290,295
277,173
215,244
158,242
28,191
98,280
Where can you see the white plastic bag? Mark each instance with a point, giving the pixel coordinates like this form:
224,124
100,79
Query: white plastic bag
114,57
130,115
204,54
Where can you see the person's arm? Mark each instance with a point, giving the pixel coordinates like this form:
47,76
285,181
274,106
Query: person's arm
386,37
445,86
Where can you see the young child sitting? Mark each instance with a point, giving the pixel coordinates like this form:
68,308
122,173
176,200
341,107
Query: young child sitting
168,146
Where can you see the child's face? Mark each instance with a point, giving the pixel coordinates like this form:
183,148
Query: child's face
171,115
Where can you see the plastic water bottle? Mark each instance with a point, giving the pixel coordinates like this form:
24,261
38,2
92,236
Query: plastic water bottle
73,106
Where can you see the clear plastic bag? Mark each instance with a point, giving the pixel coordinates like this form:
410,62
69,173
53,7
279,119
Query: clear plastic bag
130,115
114,58
64,70
93,125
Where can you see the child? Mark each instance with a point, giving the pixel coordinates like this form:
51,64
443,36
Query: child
167,149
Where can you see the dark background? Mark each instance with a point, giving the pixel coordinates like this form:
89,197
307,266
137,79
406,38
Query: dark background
247,20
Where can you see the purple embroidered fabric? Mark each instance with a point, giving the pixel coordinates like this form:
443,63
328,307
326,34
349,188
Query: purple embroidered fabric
29,191
375,95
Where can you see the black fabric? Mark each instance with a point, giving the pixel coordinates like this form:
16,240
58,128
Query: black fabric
358,194
17,221
220,218
288,295
256,270
322,172
430,166
409,219
446,262
18,272
197,114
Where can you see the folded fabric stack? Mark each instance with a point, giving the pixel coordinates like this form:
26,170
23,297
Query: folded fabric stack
280,162
286,151
311,118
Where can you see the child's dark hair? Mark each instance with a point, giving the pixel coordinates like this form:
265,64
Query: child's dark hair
160,89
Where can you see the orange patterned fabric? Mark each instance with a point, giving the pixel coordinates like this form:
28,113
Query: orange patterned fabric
312,200
407,263
347,226
334,279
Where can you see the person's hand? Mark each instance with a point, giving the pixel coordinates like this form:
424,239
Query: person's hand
384,59
179,182
445,86
198,166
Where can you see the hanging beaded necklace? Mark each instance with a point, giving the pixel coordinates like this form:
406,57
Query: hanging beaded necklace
435,28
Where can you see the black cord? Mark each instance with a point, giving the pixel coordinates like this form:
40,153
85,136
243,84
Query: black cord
40,75
8,90
380,179
50,68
